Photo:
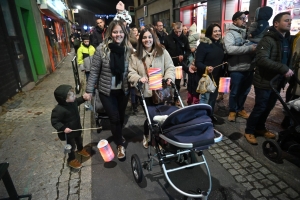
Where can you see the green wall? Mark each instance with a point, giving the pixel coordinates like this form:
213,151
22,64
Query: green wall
29,32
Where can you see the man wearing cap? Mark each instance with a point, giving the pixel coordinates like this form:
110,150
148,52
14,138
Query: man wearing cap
99,32
239,58
273,57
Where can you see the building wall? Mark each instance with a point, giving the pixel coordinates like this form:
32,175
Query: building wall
154,6
31,37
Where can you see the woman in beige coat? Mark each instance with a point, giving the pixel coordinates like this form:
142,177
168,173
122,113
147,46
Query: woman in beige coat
153,54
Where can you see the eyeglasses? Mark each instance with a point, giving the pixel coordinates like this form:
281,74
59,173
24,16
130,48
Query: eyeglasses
242,18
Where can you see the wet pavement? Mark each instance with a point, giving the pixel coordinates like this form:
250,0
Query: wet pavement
38,165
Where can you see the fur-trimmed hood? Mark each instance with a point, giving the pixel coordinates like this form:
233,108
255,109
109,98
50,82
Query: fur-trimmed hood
208,40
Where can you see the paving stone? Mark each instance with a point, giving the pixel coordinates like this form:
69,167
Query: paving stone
273,198
242,172
262,198
283,196
222,160
233,172
238,149
256,165
237,157
224,155
212,151
225,147
236,166
257,185
264,170
230,160
291,193
258,175
217,156
251,169
231,152
274,189
244,154
250,178
218,150
266,192
227,166
245,163
255,193
233,146
74,186
240,178
250,159
247,185
281,184
73,197
227,141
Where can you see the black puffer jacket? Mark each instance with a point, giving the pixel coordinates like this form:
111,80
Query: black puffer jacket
268,59
98,36
65,114
177,46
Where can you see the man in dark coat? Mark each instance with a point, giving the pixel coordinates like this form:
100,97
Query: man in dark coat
160,32
273,55
65,118
99,32
179,49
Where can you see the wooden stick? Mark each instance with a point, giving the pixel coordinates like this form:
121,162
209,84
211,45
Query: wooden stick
220,65
84,129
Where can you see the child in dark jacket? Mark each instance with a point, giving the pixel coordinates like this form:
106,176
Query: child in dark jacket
258,28
65,118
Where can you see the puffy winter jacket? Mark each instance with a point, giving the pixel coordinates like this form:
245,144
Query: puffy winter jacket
101,61
85,57
239,56
268,59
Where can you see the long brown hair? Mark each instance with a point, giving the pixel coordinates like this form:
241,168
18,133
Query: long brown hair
156,44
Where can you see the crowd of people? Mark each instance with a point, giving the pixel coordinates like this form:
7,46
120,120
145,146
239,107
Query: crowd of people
115,58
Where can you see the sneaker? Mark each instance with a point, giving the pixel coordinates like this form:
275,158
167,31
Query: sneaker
75,164
121,152
232,116
266,133
250,138
146,140
84,153
243,114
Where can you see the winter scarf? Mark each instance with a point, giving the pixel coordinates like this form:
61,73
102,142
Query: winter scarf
117,65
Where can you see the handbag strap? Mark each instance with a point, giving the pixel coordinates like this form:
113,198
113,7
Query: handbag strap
144,63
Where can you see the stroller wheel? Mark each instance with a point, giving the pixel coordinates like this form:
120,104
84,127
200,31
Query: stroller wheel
136,167
272,151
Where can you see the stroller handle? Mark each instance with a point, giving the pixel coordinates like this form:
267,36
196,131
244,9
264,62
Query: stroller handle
286,108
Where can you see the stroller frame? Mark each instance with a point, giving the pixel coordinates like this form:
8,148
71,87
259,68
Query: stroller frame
273,150
160,156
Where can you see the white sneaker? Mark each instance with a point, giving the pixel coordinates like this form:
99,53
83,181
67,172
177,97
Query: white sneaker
121,152
146,139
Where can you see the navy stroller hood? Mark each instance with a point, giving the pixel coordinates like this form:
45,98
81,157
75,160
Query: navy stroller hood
190,124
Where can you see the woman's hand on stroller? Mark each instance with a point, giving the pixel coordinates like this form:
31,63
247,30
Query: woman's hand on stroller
87,96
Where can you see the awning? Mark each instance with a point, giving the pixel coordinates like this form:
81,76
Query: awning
50,12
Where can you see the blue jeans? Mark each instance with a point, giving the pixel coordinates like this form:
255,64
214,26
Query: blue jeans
240,85
265,101
210,99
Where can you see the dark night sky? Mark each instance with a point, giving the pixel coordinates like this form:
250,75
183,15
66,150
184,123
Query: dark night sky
100,6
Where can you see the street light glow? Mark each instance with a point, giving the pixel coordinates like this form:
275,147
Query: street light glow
78,7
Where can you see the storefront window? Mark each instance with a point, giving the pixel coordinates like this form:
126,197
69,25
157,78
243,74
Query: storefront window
292,6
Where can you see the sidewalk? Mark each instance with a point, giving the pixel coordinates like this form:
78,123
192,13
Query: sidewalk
35,154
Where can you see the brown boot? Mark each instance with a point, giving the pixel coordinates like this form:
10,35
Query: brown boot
250,138
84,153
243,114
75,164
232,116
266,133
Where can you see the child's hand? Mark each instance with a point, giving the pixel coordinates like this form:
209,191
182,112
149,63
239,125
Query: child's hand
87,96
67,130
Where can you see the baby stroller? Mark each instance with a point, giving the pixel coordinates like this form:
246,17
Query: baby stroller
184,132
288,140
99,112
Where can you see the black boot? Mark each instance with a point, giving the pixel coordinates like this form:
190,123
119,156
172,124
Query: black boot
184,83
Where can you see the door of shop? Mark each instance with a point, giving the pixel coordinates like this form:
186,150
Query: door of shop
14,67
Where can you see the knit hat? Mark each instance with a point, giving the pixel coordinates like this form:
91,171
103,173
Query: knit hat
238,14
193,29
123,15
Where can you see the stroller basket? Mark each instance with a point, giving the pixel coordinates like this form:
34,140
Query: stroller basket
184,132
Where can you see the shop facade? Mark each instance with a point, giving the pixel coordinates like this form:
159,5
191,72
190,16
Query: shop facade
23,61
55,24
